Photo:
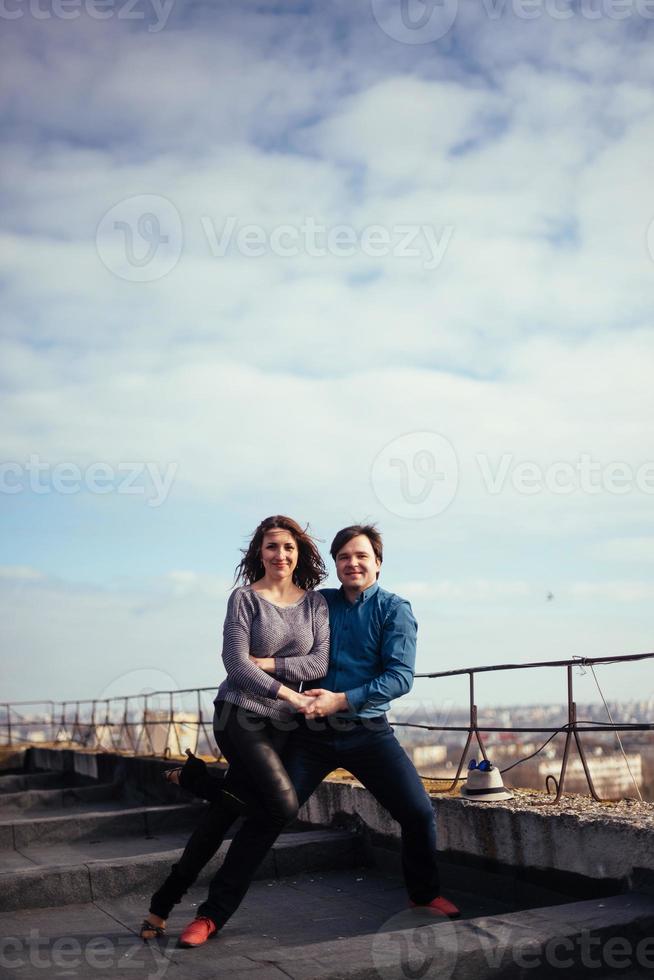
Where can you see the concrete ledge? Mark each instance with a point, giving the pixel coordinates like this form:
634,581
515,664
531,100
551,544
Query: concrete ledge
542,839
586,938
135,778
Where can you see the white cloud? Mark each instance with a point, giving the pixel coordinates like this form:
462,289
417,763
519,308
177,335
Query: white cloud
634,549
273,382
613,591
474,590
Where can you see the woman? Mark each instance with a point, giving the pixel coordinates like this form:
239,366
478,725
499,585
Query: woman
276,635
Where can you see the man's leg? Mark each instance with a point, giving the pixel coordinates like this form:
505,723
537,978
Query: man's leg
376,759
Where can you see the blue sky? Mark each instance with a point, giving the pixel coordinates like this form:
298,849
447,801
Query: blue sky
476,303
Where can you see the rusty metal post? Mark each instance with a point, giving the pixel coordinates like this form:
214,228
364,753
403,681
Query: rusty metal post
92,734
473,730
571,731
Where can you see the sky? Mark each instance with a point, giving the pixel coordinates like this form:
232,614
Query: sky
346,261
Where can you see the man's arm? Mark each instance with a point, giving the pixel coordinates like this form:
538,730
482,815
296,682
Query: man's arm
398,655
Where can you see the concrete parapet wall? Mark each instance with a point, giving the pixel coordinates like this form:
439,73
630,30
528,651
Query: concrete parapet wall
540,839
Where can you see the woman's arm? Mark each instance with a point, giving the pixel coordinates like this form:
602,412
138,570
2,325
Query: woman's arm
313,664
241,671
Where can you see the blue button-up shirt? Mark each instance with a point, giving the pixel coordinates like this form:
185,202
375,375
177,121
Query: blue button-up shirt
372,650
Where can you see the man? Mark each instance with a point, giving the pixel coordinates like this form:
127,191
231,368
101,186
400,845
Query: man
372,661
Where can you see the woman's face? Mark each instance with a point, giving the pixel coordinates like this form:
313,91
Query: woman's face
279,554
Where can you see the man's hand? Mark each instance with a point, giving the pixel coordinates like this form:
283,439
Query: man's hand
324,703
265,663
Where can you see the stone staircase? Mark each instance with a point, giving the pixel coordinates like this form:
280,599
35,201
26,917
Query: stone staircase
83,846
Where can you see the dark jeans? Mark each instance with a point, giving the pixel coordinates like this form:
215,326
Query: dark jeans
257,786
370,751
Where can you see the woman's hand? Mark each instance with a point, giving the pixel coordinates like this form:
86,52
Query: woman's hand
298,701
301,702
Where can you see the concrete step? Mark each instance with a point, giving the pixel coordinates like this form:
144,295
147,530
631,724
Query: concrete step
20,782
70,873
43,799
348,925
101,825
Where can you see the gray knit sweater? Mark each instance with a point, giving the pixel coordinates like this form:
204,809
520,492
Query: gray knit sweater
296,636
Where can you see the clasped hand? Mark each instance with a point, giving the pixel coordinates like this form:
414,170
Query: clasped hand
320,703
316,703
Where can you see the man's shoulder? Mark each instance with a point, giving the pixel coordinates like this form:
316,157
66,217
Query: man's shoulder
389,599
330,595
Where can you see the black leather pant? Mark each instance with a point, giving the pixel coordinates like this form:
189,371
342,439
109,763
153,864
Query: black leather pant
256,786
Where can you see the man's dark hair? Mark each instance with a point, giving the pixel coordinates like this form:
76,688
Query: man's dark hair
354,530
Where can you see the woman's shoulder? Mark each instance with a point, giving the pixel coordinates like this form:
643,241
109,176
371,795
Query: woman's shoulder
316,599
239,597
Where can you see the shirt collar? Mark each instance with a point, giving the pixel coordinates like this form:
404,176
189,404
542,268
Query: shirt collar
363,597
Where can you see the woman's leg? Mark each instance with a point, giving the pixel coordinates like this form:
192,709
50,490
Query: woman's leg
256,743
256,785
305,764
201,847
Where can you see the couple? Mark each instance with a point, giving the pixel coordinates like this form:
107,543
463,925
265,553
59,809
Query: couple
279,633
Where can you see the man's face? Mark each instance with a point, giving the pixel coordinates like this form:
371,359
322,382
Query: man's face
356,564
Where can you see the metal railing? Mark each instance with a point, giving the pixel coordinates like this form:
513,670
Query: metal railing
137,724
134,723
573,728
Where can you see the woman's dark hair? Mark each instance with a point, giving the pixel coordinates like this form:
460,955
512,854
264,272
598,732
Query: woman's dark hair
353,531
310,569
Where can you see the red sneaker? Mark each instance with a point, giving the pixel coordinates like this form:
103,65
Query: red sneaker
197,932
439,905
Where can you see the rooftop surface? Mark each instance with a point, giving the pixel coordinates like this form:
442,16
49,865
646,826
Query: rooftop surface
80,854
